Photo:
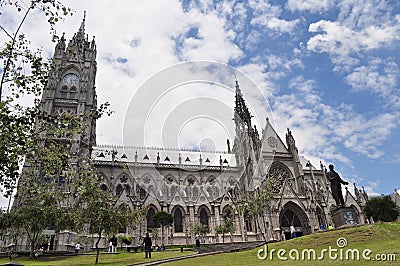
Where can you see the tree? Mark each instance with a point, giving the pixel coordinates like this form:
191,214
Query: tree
39,213
201,229
162,218
42,142
42,202
154,234
255,205
127,240
99,213
24,72
381,209
227,228
221,230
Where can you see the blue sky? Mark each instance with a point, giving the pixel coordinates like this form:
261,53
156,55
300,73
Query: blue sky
329,69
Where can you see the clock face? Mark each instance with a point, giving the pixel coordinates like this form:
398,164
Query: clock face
272,142
71,79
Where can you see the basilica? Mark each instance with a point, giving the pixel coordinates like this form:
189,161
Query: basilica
199,186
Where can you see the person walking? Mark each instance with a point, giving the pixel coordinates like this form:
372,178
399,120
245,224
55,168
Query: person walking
110,246
197,238
147,246
114,242
77,248
292,231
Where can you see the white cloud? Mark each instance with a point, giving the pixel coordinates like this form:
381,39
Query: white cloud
371,188
267,15
379,77
152,35
313,6
335,38
212,35
358,14
320,128
280,66
361,26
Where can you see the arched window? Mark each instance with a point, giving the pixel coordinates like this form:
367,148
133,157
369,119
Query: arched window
249,227
141,192
103,187
173,190
188,191
127,189
209,191
118,190
227,213
178,221
215,192
195,192
203,217
149,218
228,216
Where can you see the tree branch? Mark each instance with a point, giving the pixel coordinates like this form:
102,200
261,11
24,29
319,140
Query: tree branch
12,47
6,32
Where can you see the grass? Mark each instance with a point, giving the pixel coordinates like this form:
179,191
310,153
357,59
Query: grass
104,259
380,238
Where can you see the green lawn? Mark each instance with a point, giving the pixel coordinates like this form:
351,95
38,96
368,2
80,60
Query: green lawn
104,259
380,238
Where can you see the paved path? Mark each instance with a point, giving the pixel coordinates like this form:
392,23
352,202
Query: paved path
208,250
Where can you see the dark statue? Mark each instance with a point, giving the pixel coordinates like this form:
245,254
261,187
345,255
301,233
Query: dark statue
336,187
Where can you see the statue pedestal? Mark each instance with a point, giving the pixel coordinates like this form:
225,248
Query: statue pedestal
345,216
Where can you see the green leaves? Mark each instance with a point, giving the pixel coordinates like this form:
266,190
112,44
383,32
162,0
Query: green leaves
201,229
127,240
163,218
381,209
24,72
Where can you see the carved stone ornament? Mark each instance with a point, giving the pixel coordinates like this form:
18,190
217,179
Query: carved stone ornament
278,175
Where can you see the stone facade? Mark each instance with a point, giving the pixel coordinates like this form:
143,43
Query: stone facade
198,186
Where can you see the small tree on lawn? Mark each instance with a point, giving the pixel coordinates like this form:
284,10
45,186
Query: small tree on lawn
256,204
163,218
221,230
127,240
154,234
226,228
381,209
201,229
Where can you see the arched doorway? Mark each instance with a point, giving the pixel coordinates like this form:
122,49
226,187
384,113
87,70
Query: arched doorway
292,214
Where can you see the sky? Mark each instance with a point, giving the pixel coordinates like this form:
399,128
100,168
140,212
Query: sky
328,70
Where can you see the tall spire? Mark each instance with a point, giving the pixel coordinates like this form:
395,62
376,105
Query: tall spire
241,108
79,47
81,32
237,86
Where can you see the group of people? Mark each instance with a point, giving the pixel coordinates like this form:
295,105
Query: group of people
112,245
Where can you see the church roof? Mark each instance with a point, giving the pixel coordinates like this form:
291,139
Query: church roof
103,153
304,162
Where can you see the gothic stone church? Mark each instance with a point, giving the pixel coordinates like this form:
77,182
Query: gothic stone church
198,186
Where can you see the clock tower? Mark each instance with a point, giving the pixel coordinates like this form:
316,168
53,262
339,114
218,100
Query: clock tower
71,87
